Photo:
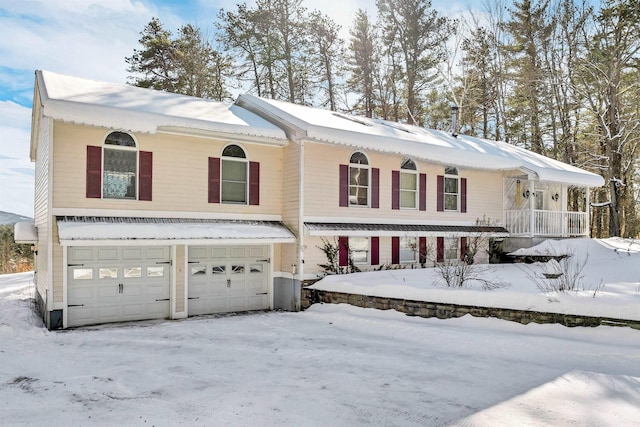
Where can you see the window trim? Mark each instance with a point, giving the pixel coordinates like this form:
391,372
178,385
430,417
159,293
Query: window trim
368,169
246,162
455,241
416,191
451,173
135,148
402,243
367,261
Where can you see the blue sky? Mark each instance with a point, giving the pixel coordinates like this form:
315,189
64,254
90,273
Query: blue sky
91,38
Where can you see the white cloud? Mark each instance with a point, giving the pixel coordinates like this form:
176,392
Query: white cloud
16,170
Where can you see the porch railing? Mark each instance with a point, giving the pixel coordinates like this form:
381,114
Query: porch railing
546,223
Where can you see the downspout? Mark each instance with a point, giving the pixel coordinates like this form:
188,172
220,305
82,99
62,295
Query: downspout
300,256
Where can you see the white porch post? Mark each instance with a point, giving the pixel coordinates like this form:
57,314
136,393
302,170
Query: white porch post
532,206
587,208
563,204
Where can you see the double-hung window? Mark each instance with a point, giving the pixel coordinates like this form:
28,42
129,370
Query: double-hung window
359,249
451,249
408,184
408,250
451,190
234,175
120,166
359,180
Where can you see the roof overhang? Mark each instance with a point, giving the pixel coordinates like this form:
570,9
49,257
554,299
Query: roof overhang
91,231
364,229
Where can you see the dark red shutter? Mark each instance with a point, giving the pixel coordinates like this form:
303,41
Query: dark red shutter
214,180
254,183
422,245
343,251
395,250
375,250
395,189
440,249
344,185
145,179
375,188
463,195
463,248
422,197
440,193
94,172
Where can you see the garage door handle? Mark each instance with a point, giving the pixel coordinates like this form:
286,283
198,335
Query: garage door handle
164,299
120,288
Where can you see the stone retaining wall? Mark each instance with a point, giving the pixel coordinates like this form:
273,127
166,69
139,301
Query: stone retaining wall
447,311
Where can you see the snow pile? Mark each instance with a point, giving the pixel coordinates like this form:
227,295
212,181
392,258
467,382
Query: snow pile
609,284
332,365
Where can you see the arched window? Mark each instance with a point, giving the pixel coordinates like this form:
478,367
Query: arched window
120,166
451,189
408,184
234,174
359,180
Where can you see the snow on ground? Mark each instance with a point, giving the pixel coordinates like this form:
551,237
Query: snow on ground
609,284
330,365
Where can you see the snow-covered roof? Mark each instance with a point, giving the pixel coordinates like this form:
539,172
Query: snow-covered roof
420,143
130,108
74,229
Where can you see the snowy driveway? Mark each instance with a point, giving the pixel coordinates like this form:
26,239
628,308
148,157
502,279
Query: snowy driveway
331,365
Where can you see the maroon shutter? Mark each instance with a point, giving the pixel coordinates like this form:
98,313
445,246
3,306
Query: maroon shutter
375,250
422,245
440,249
94,172
395,189
343,251
463,195
423,192
145,179
395,250
214,180
440,193
344,185
375,188
254,183
463,248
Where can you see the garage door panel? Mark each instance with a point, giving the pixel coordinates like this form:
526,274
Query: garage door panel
117,284
231,280
107,254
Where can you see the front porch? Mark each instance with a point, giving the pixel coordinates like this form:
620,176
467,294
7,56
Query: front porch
545,223
541,209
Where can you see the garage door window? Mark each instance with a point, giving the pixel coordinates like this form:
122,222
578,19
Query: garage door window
155,271
218,269
237,269
108,273
256,268
82,274
197,271
132,272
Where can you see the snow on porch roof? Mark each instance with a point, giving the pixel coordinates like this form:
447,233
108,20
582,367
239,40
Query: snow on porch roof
330,229
71,229
416,142
130,108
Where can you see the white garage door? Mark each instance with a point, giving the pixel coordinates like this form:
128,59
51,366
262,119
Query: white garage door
116,284
228,278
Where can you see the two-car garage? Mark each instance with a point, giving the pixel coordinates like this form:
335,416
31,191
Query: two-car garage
119,284
123,269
